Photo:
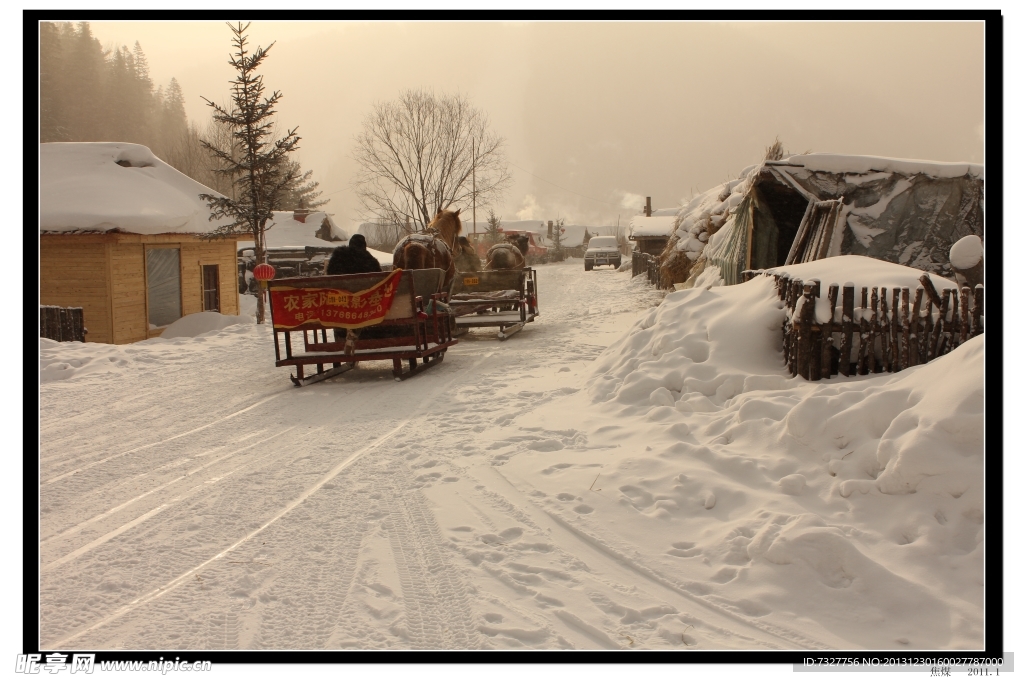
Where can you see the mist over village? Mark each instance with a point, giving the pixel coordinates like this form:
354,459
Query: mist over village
557,337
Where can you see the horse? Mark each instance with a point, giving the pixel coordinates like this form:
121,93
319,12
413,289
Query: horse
504,256
466,259
433,248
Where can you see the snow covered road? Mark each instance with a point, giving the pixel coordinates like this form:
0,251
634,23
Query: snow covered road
191,498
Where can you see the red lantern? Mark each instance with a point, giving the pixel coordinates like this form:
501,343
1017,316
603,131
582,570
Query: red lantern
263,272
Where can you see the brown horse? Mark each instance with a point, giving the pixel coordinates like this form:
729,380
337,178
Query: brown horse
504,257
433,248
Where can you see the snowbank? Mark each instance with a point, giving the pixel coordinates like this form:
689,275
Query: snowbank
117,186
202,323
797,494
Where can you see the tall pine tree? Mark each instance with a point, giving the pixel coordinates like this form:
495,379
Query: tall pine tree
257,163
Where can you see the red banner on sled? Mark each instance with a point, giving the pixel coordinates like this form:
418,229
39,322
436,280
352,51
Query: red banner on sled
295,306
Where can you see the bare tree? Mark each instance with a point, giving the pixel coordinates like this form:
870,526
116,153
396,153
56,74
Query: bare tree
416,156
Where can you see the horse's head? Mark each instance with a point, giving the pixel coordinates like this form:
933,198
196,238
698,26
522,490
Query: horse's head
448,225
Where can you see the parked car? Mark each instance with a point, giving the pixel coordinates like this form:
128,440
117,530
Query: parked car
602,251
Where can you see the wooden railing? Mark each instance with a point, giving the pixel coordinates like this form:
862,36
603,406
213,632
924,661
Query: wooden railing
62,324
646,264
880,332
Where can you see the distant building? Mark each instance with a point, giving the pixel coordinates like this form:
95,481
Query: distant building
126,237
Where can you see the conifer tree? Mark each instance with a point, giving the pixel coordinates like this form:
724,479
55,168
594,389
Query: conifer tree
258,167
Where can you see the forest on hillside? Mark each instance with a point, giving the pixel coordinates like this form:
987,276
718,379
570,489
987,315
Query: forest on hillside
91,94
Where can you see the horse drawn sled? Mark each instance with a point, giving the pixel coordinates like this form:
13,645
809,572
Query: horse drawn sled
506,299
398,316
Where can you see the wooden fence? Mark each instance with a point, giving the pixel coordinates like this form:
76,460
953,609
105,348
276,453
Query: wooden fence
646,264
61,324
880,332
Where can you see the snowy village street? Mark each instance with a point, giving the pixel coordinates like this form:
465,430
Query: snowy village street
192,498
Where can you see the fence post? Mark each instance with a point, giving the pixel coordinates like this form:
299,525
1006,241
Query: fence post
846,340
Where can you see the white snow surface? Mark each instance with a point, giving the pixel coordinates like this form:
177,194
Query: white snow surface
203,323
614,476
849,163
82,187
967,252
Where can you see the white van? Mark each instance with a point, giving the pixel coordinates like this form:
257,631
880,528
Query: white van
602,251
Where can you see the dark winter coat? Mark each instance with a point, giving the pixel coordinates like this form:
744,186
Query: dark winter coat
353,258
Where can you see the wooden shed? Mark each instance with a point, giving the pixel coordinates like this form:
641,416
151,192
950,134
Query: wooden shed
127,238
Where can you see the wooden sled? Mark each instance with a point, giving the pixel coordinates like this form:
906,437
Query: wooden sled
506,299
414,330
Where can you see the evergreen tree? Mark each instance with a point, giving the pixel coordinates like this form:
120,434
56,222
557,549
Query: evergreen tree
492,233
52,121
260,171
302,192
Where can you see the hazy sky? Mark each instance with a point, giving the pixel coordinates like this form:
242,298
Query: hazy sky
597,115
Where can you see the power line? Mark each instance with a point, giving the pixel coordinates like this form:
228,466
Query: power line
562,188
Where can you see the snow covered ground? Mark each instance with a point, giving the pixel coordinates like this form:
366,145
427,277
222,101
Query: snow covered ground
612,477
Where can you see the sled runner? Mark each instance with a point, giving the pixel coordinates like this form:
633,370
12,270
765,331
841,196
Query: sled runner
398,316
506,299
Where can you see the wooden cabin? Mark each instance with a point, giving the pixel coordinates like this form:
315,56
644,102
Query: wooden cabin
127,238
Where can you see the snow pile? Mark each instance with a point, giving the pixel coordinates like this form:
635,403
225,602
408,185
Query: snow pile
116,186
780,498
966,253
60,361
205,322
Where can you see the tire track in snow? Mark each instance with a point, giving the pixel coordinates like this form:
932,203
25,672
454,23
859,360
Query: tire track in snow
177,581
437,610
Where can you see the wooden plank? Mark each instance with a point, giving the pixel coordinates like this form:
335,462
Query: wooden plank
905,323
940,325
929,289
954,324
862,350
885,364
873,364
804,338
826,332
965,317
976,311
846,340
915,327
926,336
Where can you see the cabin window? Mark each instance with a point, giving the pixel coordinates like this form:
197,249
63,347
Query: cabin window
163,286
211,287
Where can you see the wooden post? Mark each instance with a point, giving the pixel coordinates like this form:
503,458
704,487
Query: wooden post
965,317
905,324
862,351
941,326
826,332
846,340
954,324
915,326
979,297
873,332
926,338
804,341
929,289
886,363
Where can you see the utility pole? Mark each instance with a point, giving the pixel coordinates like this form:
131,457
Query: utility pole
473,143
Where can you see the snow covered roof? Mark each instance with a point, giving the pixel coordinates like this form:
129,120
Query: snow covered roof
285,231
104,186
654,225
845,163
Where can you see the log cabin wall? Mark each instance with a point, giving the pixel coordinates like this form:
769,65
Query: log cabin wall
74,274
105,274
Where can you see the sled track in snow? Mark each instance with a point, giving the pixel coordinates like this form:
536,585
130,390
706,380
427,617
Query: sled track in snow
140,448
179,498
177,581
